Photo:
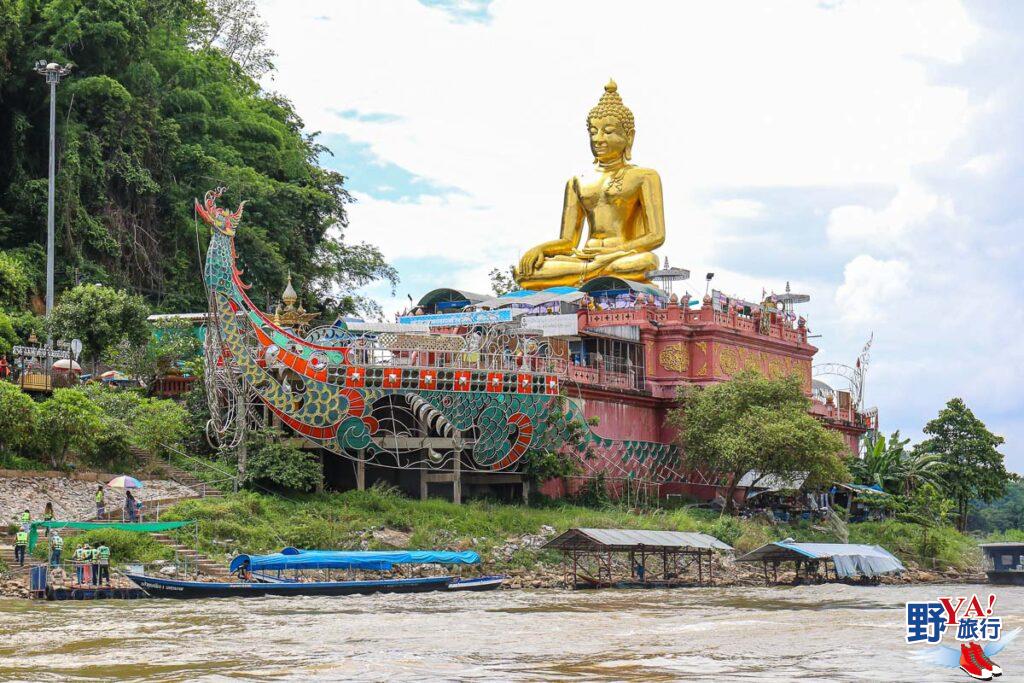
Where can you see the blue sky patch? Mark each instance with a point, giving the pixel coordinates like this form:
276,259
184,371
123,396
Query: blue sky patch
367,173
464,11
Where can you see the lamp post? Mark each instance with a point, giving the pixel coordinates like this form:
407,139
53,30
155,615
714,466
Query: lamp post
53,73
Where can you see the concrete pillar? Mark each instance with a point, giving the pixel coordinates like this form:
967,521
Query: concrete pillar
526,491
361,470
457,478
424,486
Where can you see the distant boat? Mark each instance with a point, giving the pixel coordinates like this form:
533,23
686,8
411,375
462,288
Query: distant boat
189,590
255,579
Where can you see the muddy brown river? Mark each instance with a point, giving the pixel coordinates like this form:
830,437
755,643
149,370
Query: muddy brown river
813,633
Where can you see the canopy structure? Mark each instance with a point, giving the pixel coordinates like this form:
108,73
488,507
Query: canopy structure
373,560
140,527
610,283
848,559
634,539
654,558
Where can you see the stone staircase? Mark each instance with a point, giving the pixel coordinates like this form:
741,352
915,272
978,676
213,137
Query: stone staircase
194,559
7,556
175,473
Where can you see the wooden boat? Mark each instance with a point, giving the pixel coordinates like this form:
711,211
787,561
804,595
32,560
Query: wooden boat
158,587
480,583
256,580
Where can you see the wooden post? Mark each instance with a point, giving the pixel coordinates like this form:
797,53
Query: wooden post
711,567
700,567
457,480
361,470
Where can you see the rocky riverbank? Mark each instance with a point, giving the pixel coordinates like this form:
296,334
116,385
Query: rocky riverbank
74,499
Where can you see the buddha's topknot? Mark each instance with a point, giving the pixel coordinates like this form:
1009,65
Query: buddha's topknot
611,104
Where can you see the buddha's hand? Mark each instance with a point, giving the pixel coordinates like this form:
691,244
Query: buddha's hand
532,260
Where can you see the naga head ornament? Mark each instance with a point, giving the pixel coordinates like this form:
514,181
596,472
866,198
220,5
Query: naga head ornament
221,220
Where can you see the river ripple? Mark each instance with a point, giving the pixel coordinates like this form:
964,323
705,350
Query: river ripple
811,633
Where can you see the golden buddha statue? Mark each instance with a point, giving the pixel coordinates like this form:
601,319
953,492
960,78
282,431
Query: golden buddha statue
620,202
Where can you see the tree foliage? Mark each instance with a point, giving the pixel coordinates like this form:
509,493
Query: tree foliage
888,464
755,424
272,462
155,425
502,281
18,415
549,457
68,420
972,466
169,342
101,317
162,105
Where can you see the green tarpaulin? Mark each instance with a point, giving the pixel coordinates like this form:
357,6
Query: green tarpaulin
141,527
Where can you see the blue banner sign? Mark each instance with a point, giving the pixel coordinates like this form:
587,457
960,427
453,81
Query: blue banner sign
502,315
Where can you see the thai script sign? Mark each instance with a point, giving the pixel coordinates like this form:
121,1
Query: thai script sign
566,325
40,352
502,315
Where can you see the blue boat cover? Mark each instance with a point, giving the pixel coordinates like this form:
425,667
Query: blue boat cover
374,560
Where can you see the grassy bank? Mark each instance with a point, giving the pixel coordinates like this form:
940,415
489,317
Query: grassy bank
254,522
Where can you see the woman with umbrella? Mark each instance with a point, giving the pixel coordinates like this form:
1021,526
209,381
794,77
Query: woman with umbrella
131,506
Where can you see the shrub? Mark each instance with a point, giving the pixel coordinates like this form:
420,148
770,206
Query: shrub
271,462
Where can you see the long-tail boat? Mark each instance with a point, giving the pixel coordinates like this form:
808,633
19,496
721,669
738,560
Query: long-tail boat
255,578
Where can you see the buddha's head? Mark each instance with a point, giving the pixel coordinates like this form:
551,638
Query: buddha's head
610,125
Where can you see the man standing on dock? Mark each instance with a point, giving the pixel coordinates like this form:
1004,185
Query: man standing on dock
20,546
104,564
80,562
56,548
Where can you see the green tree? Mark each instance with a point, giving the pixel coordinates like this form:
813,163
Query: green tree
14,283
156,425
101,317
8,337
554,454
68,421
169,342
888,464
163,103
972,466
1001,514
18,416
502,281
270,461
752,424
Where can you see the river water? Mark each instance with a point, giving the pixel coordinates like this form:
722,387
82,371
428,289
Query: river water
811,633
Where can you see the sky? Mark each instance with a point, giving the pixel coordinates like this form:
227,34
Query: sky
868,153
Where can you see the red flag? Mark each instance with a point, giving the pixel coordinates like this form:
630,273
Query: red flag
463,380
428,379
355,377
392,378
495,381
551,384
524,384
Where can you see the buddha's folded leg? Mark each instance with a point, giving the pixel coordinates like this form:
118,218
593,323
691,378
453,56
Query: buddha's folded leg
634,266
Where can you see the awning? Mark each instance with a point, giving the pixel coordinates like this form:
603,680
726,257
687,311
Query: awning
850,559
375,560
140,527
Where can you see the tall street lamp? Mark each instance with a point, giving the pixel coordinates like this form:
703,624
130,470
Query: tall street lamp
53,73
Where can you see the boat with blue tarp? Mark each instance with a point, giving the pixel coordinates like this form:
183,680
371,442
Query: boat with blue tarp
256,575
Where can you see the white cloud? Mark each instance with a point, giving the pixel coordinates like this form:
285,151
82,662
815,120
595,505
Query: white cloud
855,225
871,289
737,208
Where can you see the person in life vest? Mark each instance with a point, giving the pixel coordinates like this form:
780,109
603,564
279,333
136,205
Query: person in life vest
103,552
56,548
26,520
20,546
94,564
99,501
79,558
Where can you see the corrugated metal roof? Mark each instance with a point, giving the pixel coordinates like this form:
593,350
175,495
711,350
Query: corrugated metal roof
579,538
848,559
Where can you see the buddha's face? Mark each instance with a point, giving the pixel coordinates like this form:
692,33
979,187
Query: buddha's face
608,141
